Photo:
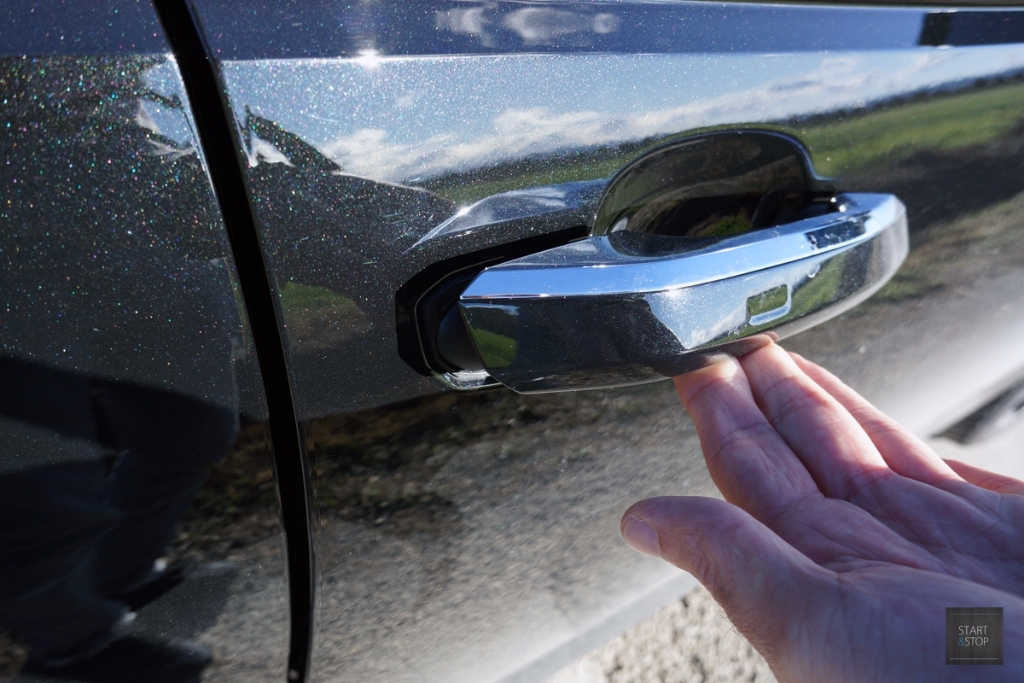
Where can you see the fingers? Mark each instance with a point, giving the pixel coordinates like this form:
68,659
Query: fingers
985,479
829,442
907,455
749,462
758,579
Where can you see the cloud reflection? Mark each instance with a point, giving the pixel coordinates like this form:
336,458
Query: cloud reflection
541,26
534,25
413,119
521,132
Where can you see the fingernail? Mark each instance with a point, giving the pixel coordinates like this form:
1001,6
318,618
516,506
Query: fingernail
641,537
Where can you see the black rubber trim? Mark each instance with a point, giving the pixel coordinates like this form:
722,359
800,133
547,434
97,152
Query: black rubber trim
221,146
414,345
961,28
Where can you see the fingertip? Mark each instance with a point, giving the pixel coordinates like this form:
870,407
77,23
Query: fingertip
725,369
773,355
684,530
640,536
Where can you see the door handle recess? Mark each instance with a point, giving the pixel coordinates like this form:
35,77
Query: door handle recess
627,307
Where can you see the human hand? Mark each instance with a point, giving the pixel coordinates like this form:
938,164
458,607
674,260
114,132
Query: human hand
844,537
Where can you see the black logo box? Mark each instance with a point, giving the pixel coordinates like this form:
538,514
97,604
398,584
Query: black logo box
974,635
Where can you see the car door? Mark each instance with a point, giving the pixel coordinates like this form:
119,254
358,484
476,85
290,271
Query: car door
385,153
472,535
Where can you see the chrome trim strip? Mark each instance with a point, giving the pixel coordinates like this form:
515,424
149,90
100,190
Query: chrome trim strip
594,267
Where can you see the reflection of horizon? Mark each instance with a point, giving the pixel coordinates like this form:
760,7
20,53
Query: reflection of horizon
415,134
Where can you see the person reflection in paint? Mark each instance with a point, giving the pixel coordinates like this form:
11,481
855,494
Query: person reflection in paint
117,385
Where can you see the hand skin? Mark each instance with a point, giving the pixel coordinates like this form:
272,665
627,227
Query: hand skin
842,538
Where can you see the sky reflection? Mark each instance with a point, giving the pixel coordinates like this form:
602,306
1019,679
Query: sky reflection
410,119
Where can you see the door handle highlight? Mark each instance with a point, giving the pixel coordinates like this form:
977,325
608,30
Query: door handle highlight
628,308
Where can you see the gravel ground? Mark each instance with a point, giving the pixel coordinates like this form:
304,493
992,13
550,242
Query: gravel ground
689,641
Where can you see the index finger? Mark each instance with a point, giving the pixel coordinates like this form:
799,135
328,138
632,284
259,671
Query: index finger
749,462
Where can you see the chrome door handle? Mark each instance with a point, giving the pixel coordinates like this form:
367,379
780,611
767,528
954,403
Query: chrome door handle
627,308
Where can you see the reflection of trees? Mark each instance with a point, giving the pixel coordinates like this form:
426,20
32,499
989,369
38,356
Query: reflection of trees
107,244
115,339
298,152
335,243
72,136
96,86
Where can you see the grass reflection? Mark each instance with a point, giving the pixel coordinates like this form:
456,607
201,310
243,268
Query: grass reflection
940,122
840,142
318,317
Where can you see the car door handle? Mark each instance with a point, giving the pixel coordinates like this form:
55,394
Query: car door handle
627,307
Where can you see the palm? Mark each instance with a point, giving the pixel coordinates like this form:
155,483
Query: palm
871,528
954,528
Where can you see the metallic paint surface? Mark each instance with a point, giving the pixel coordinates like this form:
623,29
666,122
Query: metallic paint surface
415,142
57,27
467,537
115,275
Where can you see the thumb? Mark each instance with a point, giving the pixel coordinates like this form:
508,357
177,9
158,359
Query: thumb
759,580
